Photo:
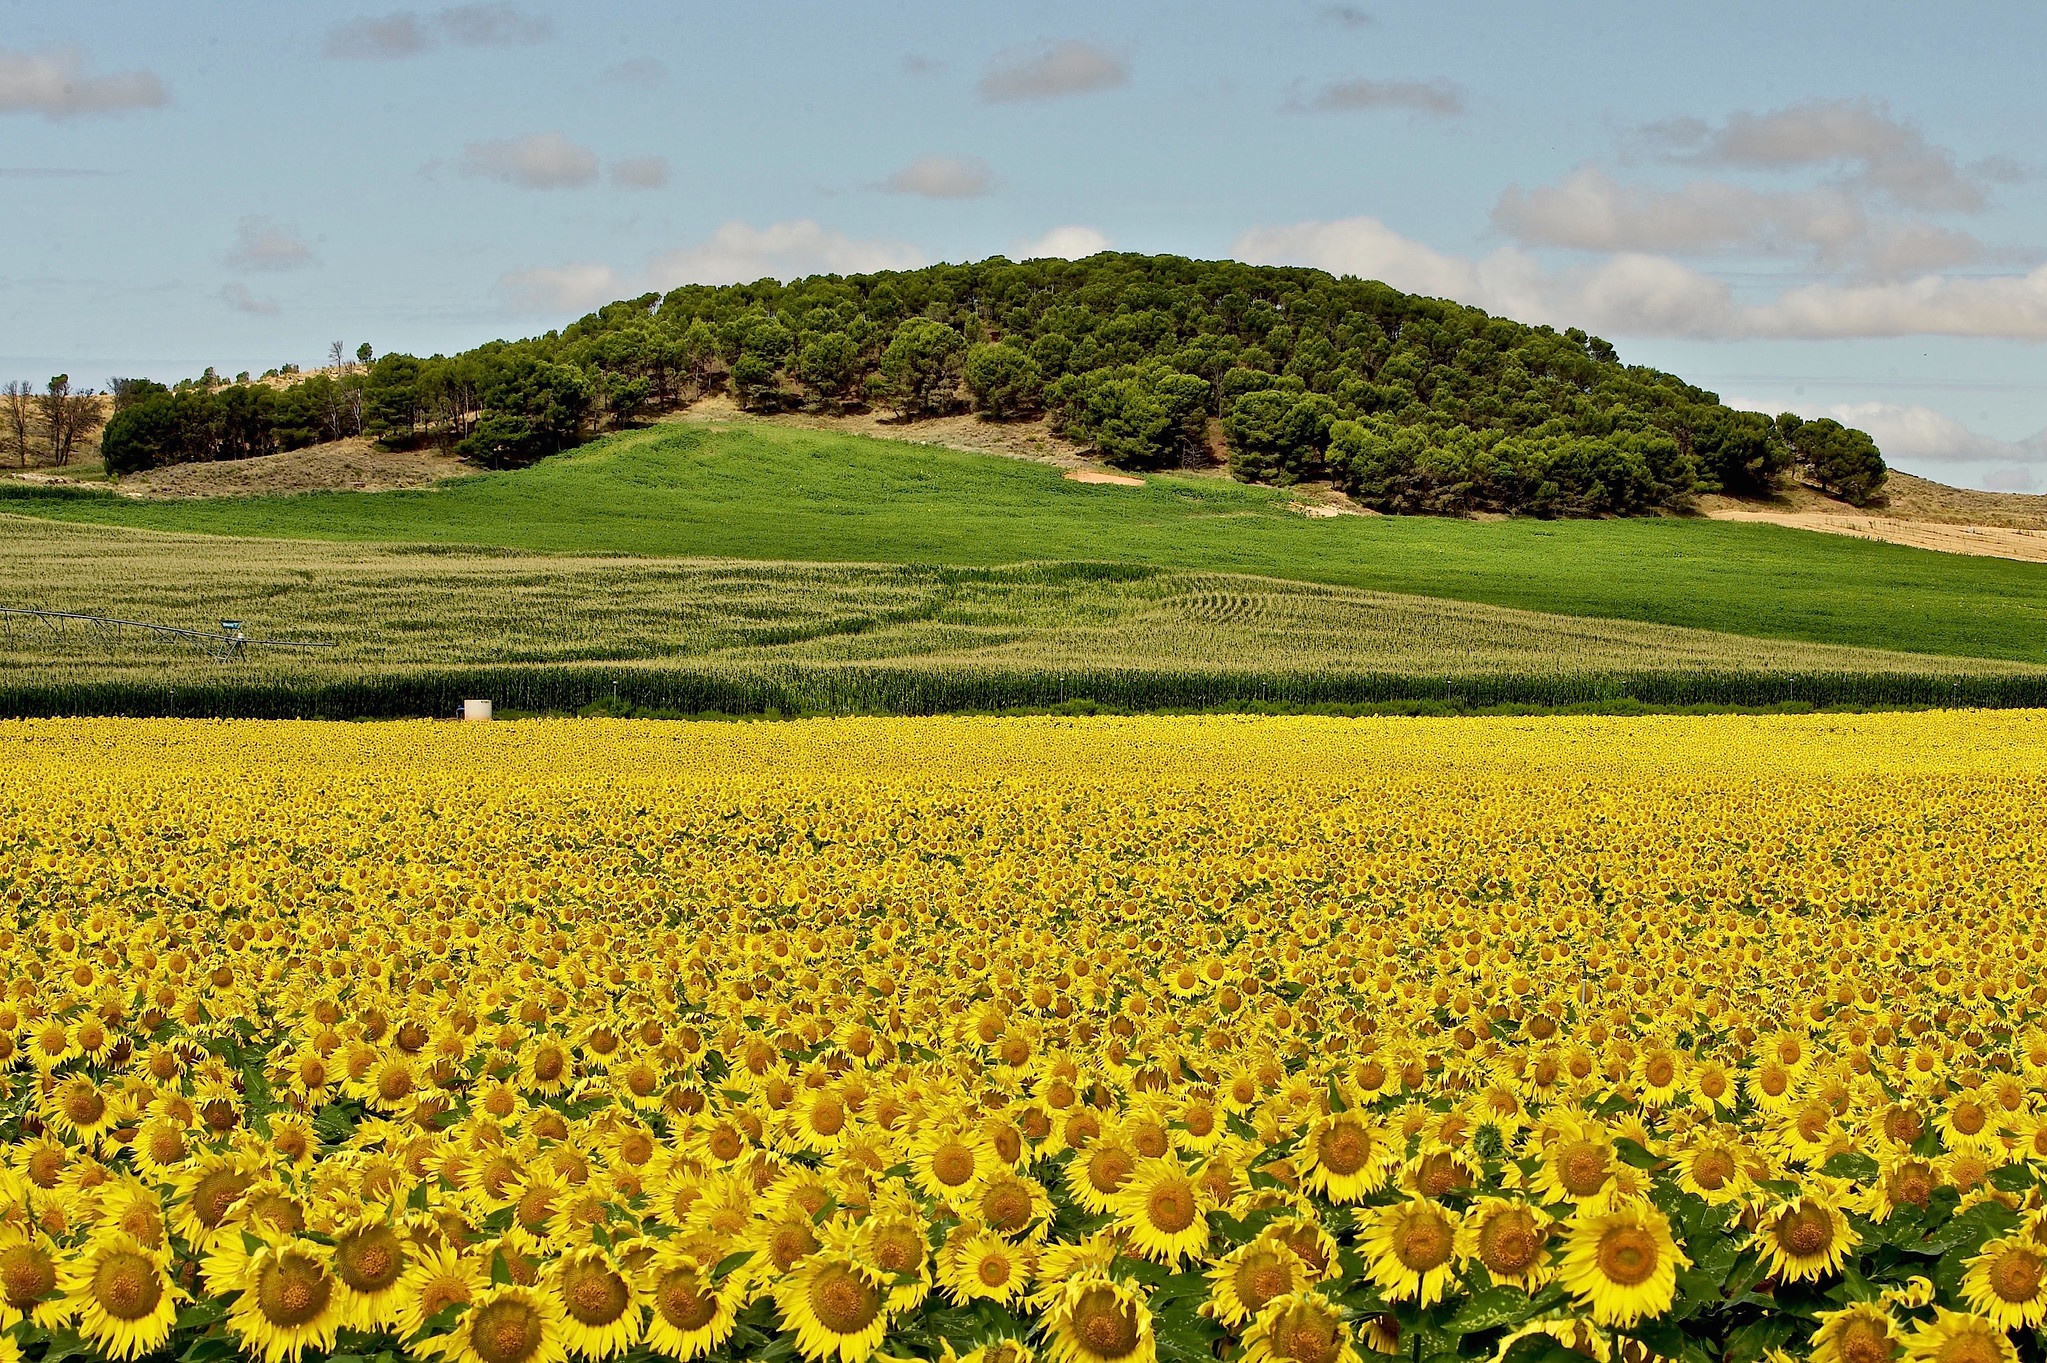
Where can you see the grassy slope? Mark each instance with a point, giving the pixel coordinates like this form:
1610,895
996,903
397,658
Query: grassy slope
395,608
758,492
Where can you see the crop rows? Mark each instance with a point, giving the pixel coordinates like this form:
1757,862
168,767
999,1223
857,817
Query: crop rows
1100,1041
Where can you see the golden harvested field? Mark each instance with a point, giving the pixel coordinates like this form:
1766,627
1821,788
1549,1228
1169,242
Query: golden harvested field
833,636
1100,1041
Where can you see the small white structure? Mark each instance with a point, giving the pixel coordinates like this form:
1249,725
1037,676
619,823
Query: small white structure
476,711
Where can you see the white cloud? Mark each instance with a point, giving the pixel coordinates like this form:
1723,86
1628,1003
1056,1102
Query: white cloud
261,244
55,85
496,25
1637,294
641,71
1052,71
240,299
1437,96
1894,250
535,161
1589,211
1507,281
739,253
387,38
1920,433
1914,434
1063,243
1885,154
394,37
2009,480
640,172
942,177
565,288
2009,307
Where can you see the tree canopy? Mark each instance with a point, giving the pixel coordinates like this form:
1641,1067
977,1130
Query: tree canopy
1408,403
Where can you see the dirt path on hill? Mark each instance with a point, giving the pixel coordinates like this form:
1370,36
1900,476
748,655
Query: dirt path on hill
1990,541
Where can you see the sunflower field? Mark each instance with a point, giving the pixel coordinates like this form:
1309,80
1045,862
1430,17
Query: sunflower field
1001,1041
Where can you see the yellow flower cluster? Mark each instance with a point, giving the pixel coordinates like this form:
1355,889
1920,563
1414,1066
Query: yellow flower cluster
1104,1041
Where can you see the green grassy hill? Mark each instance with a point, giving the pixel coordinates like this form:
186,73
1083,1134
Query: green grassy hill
770,493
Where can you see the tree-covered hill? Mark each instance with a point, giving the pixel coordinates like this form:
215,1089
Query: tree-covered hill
1407,403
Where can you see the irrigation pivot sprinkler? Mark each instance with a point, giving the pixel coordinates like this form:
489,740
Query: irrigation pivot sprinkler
230,644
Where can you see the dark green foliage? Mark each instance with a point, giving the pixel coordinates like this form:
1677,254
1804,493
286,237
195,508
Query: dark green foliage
392,408
1277,436
1737,452
1463,411
712,689
190,425
828,364
1841,459
920,370
1139,416
127,392
625,399
532,409
1403,468
1005,382
143,435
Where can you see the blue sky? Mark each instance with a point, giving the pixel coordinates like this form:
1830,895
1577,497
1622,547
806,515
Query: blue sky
1835,208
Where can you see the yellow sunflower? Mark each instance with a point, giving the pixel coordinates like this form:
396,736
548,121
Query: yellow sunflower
1159,1210
1096,1319
290,1301
1410,1250
437,1278
1510,1239
892,1240
28,1277
119,1297
509,1323
1711,1168
206,1191
951,1162
1958,1337
369,1260
1861,1332
836,1306
1345,1158
1622,1264
1095,1175
1805,1239
601,1309
1242,1283
1302,1327
1578,1163
691,1315
2007,1282
1014,1205
979,1265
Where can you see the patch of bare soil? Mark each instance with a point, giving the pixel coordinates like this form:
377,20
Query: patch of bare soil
1032,440
352,465
1323,501
1915,511
1989,541
1107,479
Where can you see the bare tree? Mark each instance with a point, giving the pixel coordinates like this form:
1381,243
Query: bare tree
54,407
16,403
84,414
337,357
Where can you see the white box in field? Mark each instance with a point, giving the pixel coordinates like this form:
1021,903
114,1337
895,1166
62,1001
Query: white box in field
475,710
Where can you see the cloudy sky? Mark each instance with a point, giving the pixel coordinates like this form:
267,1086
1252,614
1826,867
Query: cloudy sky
1836,208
